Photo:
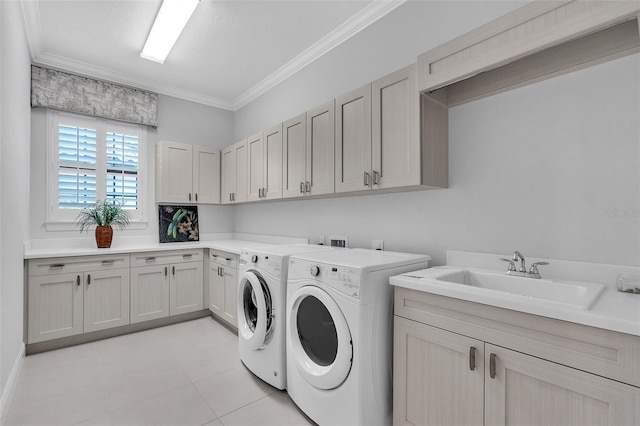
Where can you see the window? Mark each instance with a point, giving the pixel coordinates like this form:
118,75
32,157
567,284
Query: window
94,159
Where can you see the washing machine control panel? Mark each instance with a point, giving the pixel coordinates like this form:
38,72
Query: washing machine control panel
271,264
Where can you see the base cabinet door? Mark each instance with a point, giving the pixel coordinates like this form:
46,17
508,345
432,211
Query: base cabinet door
438,376
55,306
149,293
216,290
106,299
526,390
186,288
230,277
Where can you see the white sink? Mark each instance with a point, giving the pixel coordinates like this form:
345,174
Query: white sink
573,294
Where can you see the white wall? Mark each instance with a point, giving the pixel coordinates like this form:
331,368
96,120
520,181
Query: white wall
551,169
14,185
179,121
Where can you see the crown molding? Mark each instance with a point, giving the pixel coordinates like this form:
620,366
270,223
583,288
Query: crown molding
358,22
31,17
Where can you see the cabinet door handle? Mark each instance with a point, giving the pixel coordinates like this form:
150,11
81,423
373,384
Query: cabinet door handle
230,197
189,196
165,271
187,256
173,270
150,259
492,366
472,358
196,197
78,281
307,187
89,279
108,262
56,266
376,175
302,187
366,178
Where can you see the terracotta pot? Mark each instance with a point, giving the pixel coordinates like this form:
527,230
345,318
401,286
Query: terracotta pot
104,235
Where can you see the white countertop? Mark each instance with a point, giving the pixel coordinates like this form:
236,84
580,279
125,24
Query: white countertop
86,246
613,310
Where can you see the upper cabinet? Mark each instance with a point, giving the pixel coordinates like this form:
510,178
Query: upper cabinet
264,165
379,142
187,174
234,173
308,153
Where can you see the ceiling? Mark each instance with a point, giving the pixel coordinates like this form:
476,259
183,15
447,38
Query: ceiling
230,53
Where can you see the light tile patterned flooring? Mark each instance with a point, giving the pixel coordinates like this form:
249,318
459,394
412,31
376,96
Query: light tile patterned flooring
182,374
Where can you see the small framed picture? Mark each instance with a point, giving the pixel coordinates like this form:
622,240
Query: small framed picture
178,224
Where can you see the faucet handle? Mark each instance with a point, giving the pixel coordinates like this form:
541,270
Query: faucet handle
534,267
512,266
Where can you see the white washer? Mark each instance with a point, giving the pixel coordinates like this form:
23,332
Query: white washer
261,302
339,334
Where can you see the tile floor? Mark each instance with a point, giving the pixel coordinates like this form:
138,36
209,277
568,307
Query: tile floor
182,374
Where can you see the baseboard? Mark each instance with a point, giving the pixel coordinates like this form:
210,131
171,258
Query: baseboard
12,381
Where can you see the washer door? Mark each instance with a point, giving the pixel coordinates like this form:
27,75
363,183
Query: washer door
320,339
255,311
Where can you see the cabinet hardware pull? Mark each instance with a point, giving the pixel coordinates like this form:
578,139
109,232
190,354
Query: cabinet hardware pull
108,262
307,187
230,197
492,366
89,279
366,178
196,197
302,187
150,259
173,270
375,177
214,255
189,196
78,281
228,259
187,256
472,358
56,266
221,271
165,271
234,197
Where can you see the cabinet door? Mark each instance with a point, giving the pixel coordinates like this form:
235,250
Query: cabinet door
435,381
255,167
230,276
353,141
273,163
106,299
206,176
294,156
395,132
240,191
149,293
186,289
320,161
173,172
228,174
216,289
530,391
55,306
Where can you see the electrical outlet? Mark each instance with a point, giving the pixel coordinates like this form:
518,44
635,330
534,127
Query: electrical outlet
338,241
377,244
319,241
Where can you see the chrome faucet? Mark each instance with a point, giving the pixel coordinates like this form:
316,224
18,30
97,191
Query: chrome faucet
522,272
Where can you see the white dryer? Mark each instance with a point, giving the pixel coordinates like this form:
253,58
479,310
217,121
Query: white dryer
261,309
339,334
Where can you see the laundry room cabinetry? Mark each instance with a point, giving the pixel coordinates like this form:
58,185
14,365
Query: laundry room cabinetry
223,285
75,295
458,362
308,152
187,174
383,143
166,283
234,173
264,165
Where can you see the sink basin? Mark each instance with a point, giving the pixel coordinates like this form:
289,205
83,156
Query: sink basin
573,294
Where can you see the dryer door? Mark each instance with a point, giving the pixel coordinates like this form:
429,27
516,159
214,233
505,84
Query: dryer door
320,339
255,314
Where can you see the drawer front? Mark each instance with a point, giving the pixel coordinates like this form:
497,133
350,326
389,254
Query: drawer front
64,265
598,351
165,257
223,258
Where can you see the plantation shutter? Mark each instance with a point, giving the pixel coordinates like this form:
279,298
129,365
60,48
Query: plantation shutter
122,169
76,167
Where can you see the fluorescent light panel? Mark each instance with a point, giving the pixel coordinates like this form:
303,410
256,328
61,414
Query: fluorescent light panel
171,20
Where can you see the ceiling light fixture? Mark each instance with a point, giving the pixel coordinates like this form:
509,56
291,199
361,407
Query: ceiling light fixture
171,20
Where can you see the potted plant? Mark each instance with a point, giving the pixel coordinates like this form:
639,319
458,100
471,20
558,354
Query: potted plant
103,216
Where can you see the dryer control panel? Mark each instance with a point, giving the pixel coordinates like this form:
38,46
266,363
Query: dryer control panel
342,278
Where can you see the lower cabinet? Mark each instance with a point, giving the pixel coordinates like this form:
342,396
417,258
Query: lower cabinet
69,296
223,285
445,377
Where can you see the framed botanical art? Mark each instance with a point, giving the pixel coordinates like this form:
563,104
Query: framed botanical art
178,224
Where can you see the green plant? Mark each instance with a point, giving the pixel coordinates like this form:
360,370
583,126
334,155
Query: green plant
105,213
